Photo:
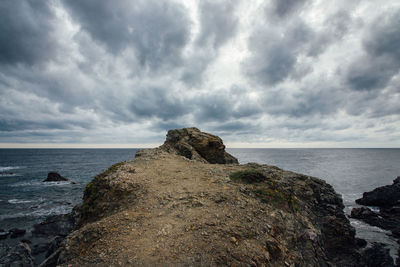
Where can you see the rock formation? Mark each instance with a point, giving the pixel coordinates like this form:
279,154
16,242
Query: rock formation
384,196
194,144
54,177
170,207
387,198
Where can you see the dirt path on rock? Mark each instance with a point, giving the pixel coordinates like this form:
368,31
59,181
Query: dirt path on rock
191,213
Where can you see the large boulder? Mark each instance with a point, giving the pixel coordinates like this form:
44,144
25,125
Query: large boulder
196,145
55,177
384,196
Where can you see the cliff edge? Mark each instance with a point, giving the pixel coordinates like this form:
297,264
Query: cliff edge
170,207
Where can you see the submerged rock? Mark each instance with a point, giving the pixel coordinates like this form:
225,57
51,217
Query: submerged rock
55,177
3,234
15,232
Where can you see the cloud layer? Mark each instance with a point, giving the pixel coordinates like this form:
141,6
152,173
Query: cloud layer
266,72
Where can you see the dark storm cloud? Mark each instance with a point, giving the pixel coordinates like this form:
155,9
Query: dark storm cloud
25,32
274,52
157,103
157,31
381,60
312,100
223,105
283,8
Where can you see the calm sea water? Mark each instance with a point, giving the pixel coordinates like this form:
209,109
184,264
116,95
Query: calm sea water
25,199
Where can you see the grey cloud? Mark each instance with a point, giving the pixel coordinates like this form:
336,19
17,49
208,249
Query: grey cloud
274,52
157,102
224,105
217,23
156,30
310,101
283,8
26,32
381,60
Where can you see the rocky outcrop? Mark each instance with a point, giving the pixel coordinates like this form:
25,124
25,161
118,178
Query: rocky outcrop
169,207
384,196
56,225
194,144
387,198
54,177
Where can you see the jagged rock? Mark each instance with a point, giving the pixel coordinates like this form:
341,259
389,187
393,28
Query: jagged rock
15,232
384,196
56,225
54,177
378,256
19,255
194,144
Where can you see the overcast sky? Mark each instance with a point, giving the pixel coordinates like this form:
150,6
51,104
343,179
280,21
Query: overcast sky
278,73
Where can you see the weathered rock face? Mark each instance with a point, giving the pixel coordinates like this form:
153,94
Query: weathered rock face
162,209
384,196
194,144
54,177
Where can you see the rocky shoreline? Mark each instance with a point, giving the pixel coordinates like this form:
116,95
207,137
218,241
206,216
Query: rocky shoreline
387,199
189,202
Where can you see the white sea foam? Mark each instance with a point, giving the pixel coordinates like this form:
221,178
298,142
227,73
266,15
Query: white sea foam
8,168
40,183
18,201
62,209
8,174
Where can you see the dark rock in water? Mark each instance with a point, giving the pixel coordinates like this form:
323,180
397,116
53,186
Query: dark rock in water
378,255
19,255
6,173
382,219
384,196
15,232
194,144
40,248
3,234
361,242
57,225
54,177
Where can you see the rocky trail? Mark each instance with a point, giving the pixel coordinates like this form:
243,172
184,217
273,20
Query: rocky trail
171,207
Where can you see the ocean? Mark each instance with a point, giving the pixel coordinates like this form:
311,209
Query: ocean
26,200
